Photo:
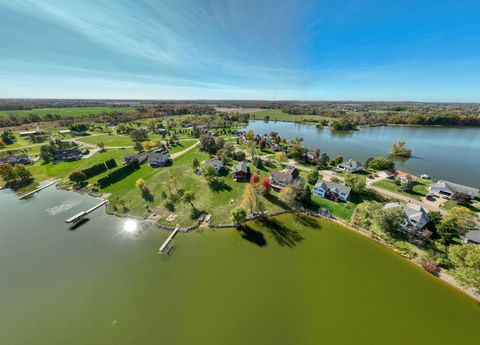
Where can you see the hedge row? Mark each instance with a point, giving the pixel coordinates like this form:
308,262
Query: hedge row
118,175
99,168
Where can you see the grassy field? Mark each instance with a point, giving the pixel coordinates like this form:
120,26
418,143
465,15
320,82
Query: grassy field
84,111
278,115
420,187
109,140
452,203
338,209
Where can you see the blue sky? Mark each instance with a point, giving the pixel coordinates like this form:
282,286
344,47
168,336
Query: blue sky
244,49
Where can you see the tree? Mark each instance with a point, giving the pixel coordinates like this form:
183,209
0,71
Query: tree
208,172
448,230
323,160
139,135
151,124
249,135
77,176
2,144
79,127
149,145
399,150
343,125
288,195
296,151
7,172
188,198
8,137
249,198
138,146
313,176
208,144
306,196
266,186
380,163
466,259
238,215
101,146
254,178
462,199
195,164
140,184
281,157
356,182
406,186
336,160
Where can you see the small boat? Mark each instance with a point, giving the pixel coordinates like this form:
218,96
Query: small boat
425,176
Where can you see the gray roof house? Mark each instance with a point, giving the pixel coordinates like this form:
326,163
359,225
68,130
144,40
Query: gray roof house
331,190
14,160
416,217
451,189
158,159
286,177
350,166
472,237
68,155
216,163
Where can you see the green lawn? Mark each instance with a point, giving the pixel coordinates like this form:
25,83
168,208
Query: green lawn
42,171
109,140
452,203
278,115
420,187
83,111
338,209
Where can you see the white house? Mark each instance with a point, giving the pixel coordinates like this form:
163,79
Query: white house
451,189
416,217
350,166
331,190
386,174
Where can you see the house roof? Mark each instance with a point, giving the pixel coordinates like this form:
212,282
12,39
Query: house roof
281,175
473,236
158,156
352,164
214,161
241,166
412,211
333,186
455,188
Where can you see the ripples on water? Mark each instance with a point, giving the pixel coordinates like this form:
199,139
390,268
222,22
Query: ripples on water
67,205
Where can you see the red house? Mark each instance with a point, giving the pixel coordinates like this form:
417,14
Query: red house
240,172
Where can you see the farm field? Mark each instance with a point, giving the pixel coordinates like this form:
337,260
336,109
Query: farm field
278,115
75,112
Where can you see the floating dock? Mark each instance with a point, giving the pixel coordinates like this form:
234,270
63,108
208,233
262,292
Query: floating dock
167,245
38,189
80,216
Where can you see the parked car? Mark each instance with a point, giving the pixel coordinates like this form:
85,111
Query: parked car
431,197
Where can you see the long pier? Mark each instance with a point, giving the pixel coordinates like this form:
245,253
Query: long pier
38,189
167,245
80,216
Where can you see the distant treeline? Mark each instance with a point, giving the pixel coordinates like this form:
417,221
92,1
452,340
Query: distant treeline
40,104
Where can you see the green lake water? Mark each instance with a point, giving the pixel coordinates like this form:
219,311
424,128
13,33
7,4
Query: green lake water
298,282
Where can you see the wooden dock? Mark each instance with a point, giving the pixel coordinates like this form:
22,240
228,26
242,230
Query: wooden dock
167,245
80,216
38,189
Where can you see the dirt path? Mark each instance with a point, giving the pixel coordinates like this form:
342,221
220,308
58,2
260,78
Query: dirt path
178,154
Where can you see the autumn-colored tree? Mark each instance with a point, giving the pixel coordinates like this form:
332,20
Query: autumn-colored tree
149,145
254,178
266,186
249,198
77,176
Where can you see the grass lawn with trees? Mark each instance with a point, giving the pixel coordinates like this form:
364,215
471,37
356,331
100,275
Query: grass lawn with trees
218,202
108,140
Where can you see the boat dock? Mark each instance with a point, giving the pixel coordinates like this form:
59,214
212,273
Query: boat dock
80,216
38,189
167,245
